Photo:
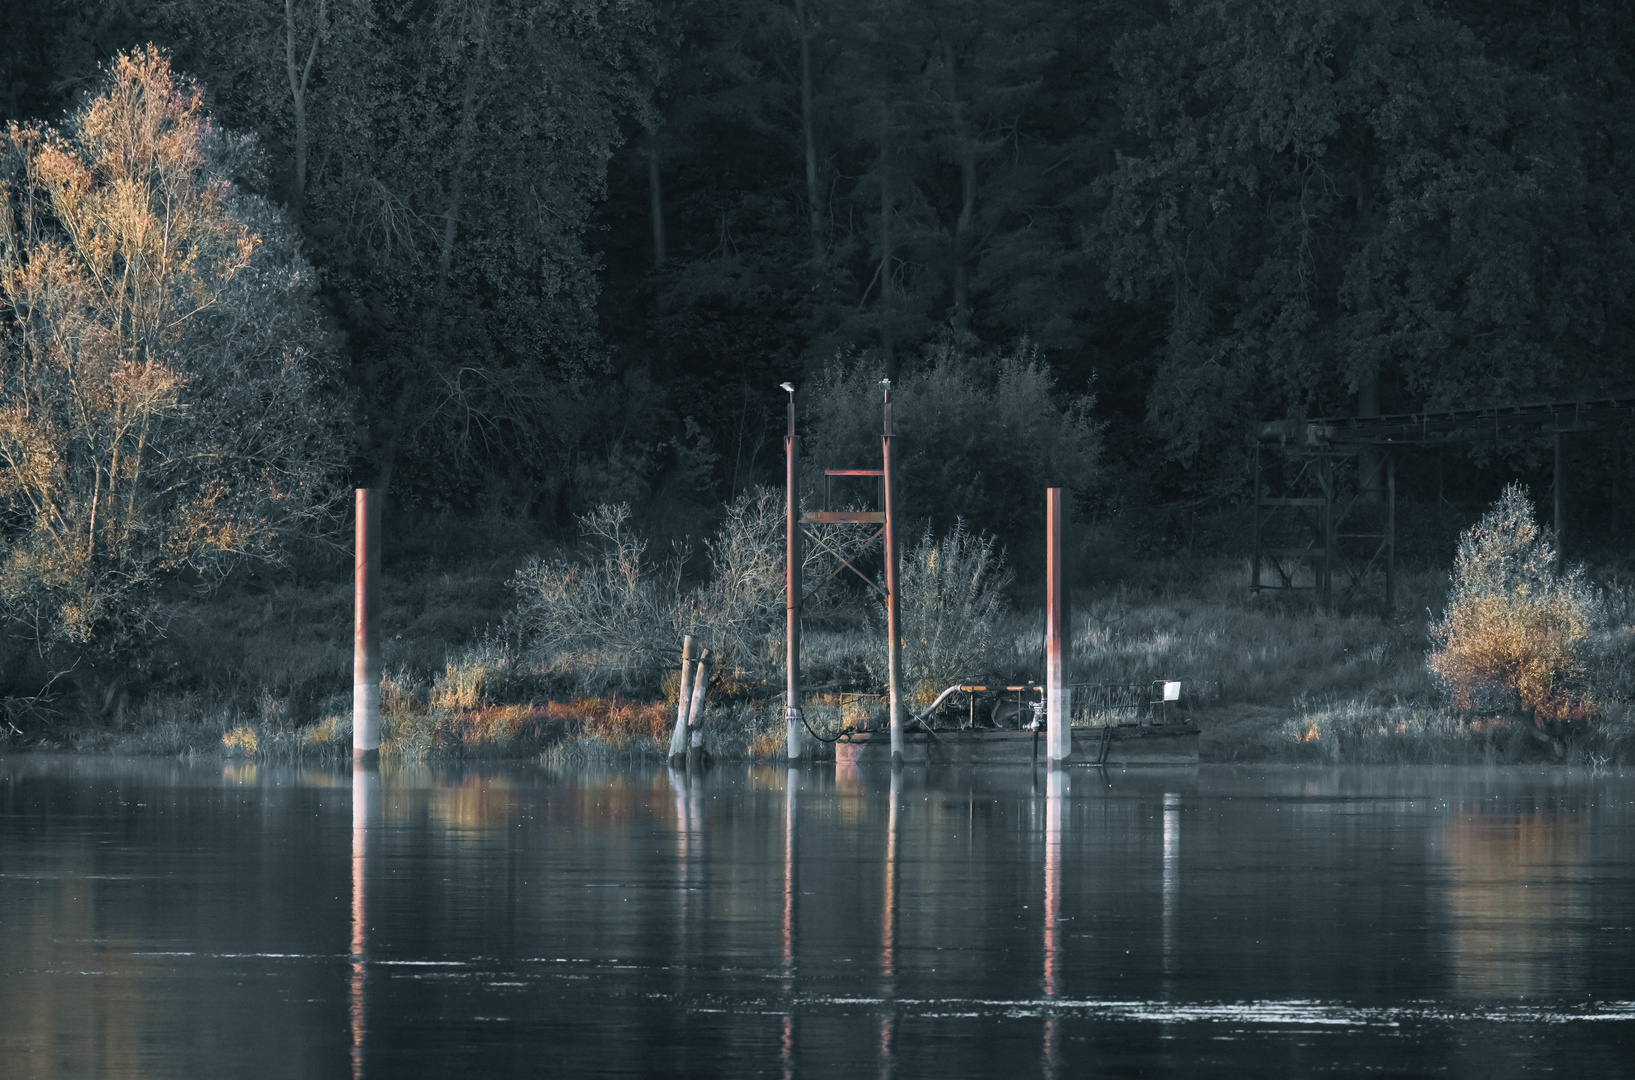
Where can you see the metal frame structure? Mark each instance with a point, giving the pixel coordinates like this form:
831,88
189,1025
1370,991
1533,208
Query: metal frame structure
797,531
1297,486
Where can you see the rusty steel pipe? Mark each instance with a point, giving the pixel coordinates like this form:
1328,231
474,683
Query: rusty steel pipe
792,568
366,627
894,630
1058,627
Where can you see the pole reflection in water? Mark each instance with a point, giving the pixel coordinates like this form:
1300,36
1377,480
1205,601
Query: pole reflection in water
365,811
1056,788
678,784
888,927
1172,851
791,785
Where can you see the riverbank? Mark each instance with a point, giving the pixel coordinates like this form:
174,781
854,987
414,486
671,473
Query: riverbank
264,673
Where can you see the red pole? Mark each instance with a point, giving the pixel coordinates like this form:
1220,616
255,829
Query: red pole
365,628
894,632
1058,715
792,598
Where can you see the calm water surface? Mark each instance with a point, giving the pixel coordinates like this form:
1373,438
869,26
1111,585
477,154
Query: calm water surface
163,919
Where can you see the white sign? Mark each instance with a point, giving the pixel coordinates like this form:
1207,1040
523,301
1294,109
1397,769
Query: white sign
1172,691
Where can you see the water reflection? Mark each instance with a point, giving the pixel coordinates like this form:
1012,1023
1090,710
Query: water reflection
1056,788
365,813
888,926
790,888
1172,852
472,802
1514,898
969,925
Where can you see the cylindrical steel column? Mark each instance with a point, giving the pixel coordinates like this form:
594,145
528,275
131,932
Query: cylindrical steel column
894,630
365,627
792,567
1058,627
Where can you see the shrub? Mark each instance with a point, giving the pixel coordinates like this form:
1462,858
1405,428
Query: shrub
978,437
952,597
608,620
1516,625
614,620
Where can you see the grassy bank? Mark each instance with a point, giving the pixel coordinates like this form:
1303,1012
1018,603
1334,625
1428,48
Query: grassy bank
264,672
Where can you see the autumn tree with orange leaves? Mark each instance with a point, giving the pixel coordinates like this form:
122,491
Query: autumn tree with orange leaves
161,364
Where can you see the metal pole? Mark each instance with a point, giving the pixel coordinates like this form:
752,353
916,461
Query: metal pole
365,628
684,700
894,635
792,569
1058,714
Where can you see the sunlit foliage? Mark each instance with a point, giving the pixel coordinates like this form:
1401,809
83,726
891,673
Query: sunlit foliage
160,363
1516,623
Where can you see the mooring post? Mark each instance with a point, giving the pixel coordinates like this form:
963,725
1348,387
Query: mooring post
894,632
366,628
1058,629
684,700
695,714
792,569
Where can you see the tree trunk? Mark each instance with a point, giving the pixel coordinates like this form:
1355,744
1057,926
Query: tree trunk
884,271
300,78
655,201
462,157
1371,476
967,203
814,216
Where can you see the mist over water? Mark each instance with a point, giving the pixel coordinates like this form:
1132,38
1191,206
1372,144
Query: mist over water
160,918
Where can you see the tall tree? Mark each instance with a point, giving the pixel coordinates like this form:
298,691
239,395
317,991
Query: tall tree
170,405
1343,205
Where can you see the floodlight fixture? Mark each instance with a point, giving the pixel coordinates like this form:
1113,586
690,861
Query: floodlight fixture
789,387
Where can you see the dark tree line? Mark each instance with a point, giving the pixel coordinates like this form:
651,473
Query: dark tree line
572,247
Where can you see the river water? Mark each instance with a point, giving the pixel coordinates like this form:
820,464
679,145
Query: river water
201,920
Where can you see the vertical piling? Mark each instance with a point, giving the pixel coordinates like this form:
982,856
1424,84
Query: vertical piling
684,700
365,627
792,598
894,630
1058,627
695,713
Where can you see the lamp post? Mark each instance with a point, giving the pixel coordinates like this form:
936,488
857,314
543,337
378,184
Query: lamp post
792,568
894,630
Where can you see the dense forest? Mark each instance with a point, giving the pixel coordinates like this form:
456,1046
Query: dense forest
537,269
570,249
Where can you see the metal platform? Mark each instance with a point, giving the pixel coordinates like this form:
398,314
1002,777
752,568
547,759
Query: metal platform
1145,744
